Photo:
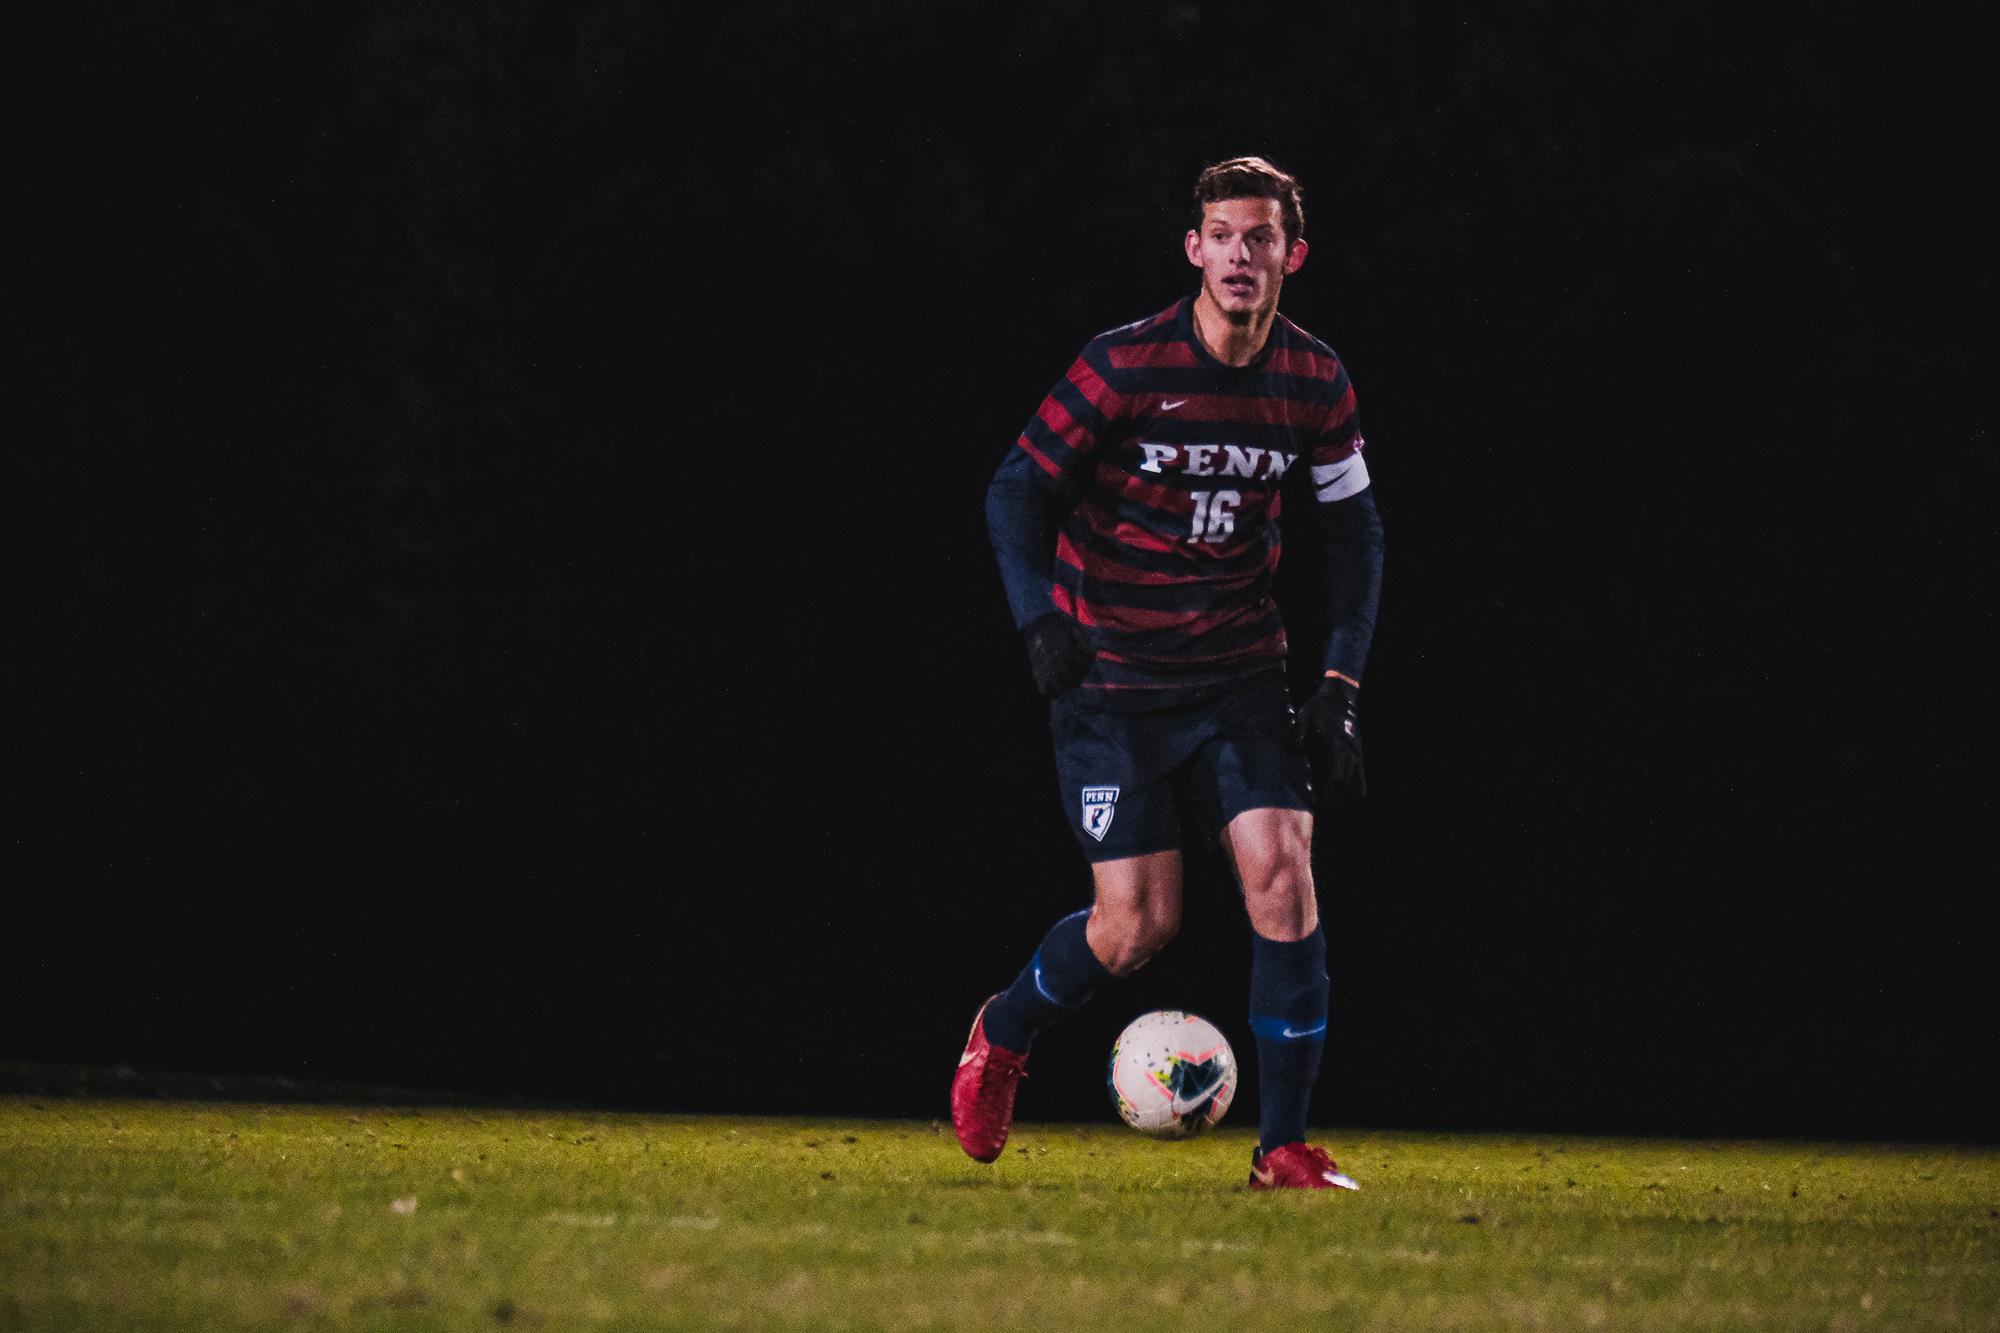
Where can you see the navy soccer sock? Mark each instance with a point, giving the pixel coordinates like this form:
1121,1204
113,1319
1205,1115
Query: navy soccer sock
1059,978
1288,987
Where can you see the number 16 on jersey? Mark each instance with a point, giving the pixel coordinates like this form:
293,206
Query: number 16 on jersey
1214,515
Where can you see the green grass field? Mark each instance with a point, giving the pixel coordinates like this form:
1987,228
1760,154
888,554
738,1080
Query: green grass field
189,1216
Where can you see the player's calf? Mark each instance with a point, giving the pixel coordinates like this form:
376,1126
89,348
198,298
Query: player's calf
1060,977
1288,1008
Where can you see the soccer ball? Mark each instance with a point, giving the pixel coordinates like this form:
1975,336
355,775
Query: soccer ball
1172,1074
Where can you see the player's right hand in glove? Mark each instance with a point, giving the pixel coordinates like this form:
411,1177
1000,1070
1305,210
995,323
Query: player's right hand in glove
1059,653
1332,743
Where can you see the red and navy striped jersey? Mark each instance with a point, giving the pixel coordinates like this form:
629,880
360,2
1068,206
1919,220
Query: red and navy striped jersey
1172,466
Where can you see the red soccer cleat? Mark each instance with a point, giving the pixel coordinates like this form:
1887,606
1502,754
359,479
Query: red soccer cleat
1297,1166
982,1092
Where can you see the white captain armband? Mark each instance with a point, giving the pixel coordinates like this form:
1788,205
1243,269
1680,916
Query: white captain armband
1337,481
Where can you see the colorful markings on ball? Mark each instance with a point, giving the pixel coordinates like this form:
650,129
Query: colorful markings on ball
1172,1074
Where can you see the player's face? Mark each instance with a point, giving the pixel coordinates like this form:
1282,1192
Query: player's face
1241,251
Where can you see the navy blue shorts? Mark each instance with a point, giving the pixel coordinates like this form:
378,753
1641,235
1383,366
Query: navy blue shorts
1131,780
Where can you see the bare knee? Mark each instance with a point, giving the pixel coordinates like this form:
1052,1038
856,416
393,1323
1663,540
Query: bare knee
1126,936
1138,909
1281,902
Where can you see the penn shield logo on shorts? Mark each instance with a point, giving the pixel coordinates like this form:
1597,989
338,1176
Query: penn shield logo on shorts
1099,804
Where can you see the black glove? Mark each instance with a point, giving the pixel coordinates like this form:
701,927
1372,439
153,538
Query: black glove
1059,653
1333,744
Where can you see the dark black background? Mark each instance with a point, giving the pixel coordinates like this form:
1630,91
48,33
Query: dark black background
506,604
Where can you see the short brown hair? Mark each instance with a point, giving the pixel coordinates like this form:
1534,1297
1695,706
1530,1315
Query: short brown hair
1252,178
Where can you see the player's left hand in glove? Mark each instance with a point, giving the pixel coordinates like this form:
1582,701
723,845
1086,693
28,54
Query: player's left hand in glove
1059,653
1332,742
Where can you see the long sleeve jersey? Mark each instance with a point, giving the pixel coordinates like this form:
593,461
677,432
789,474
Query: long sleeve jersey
1142,500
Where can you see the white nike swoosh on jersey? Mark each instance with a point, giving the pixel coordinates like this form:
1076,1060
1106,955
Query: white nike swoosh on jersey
1309,1032
1168,407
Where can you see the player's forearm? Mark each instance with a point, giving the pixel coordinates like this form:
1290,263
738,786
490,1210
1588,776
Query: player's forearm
1021,524
1351,536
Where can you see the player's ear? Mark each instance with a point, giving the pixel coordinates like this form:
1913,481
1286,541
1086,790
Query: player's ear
1296,258
1193,246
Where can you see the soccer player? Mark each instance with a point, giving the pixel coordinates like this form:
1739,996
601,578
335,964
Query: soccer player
1136,527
